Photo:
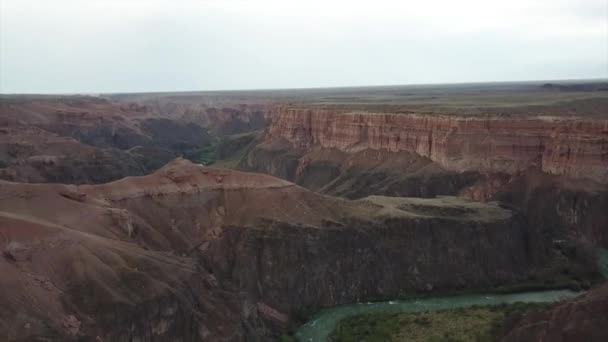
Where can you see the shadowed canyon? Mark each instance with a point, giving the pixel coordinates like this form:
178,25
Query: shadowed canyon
238,216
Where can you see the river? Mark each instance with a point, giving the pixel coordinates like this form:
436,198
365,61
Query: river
324,322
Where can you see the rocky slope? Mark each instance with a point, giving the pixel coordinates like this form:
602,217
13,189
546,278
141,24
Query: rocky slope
573,147
193,253
581,319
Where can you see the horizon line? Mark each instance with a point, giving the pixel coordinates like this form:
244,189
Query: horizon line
108,93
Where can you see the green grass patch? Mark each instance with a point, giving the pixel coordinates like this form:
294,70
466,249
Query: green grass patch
207,155
464,324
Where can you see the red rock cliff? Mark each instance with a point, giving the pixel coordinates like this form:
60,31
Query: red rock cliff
562,146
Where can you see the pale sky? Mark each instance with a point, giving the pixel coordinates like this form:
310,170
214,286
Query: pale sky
86,46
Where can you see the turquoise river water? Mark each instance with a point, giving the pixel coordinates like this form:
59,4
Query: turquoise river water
324,322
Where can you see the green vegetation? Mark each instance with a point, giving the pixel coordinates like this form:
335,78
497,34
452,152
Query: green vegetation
475,323
224,151
227,151
207,154
603,261
287,338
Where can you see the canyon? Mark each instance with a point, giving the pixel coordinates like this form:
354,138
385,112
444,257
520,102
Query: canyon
192,253
112,228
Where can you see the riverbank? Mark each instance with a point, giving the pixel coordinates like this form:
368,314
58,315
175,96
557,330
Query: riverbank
322,324
476,323
319,328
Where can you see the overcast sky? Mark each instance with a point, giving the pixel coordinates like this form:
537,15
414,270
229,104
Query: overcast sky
54,46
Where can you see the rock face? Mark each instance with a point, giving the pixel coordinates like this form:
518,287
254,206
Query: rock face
558,206
581,319
353,261
561,146
194,253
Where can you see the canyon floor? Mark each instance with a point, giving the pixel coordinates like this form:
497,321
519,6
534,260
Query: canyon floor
236,216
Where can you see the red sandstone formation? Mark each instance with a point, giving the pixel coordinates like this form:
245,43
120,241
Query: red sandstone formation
573,147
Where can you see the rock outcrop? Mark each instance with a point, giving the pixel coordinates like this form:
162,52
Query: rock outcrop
580,319
573,147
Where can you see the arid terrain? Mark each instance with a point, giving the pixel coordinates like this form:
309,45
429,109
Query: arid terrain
236,216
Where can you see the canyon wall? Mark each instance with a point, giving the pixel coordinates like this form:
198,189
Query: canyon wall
554,171
561,146
194,253
296,269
